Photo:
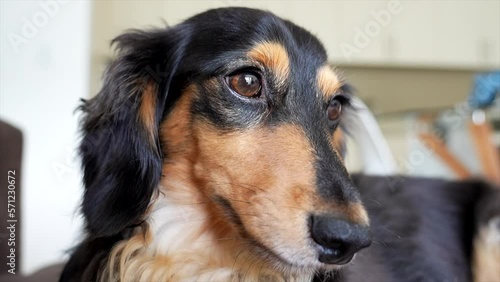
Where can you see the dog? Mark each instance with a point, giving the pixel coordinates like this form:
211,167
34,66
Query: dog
212,154
209,155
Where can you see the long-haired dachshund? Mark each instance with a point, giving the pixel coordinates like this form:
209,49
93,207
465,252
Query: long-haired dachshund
209,155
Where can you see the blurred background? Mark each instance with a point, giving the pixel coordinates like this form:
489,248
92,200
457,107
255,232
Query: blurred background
428,70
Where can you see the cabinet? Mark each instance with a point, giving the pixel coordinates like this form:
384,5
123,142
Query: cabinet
464,34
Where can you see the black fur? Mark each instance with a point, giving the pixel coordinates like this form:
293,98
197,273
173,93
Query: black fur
115,155
122,166
121,169
87,258
422,229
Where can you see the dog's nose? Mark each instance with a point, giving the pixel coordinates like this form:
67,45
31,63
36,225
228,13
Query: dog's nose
339,239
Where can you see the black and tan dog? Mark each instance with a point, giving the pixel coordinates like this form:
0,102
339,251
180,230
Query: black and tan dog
209,155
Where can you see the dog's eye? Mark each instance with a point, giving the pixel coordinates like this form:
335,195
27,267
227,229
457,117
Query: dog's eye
245,84
334,110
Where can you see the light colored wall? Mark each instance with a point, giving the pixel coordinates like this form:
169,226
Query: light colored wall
42,80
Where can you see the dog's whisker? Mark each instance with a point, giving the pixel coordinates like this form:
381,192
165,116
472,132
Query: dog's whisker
183,203
389,231
248,268
236,258
247,186
379,242
245,262
259,274
240,201
220,239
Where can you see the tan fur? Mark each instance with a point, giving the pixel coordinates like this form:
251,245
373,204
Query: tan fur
260,170
328,82
486,256
337,143
147,110
267,174
274,56
338,138
357,213
191,238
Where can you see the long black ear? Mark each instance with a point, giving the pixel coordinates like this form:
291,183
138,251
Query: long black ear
120,150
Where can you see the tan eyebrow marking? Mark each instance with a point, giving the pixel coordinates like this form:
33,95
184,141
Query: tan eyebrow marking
328,82
274,56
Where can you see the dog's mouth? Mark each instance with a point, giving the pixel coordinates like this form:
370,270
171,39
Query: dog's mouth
323,241
320,259
335,242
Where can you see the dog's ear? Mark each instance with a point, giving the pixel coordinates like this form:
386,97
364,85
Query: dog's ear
120,150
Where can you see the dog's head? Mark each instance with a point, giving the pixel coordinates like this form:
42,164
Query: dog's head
248,104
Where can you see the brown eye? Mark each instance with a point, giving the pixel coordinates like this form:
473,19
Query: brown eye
334,110
245,84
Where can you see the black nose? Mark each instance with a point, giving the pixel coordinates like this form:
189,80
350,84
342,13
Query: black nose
339,239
